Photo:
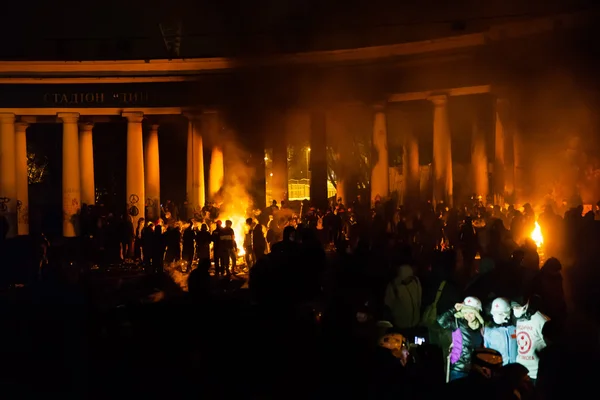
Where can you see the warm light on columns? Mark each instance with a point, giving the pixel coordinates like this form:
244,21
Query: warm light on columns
71,183
195,161
22,178
380,174
217,171
86,160
152,159
442,151
499,137
479,162
279,183
8,178
135,166
410,164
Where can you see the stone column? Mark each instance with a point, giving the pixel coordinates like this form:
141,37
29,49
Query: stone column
500,131
212,125
479,161
196,190
509,160
519,165
339,136
71,178
442,152
152,170
341,184
86,160
135,166
22,178
380,173
279,167
189,170
318,159
8,177
410,167
217,171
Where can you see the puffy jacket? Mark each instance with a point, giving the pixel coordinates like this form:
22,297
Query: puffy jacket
502,339
464,340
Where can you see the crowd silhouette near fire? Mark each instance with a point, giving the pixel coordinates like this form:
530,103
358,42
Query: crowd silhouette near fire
349,300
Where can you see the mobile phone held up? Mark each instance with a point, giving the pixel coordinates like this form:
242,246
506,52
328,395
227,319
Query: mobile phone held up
419,340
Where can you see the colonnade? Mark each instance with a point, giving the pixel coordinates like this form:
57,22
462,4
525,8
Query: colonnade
78,185
506,166
507,163
143,163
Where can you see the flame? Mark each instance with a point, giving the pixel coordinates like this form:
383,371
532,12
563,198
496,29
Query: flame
536,235
239,222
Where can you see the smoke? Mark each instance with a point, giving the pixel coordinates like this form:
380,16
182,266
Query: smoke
233,196
558,129
239,174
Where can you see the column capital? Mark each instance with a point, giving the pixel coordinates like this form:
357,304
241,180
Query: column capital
154,127
68,117
133,116
438,100
380,106
86,126
193,115
21,126
7,117
502,101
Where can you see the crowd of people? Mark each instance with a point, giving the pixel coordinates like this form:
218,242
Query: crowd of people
350,301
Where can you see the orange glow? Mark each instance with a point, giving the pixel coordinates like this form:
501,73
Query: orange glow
216,173
536,235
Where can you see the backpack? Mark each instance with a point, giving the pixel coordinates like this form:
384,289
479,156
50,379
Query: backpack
429,317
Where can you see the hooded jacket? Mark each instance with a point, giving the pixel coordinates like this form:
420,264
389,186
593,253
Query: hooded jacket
403,298
464,340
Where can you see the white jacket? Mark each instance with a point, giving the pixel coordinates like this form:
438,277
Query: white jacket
530,341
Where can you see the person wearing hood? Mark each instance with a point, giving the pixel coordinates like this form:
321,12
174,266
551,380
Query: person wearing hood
403,297
465,322
530,340
500,333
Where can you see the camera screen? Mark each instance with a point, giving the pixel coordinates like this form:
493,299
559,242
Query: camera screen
419,340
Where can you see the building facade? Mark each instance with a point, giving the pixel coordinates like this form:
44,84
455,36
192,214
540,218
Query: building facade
141,92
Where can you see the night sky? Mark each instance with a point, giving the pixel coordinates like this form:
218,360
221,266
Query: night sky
108,29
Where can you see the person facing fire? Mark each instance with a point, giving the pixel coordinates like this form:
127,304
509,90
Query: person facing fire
249,253
500,333
228,248
465,322
189,239
203,239
216,240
